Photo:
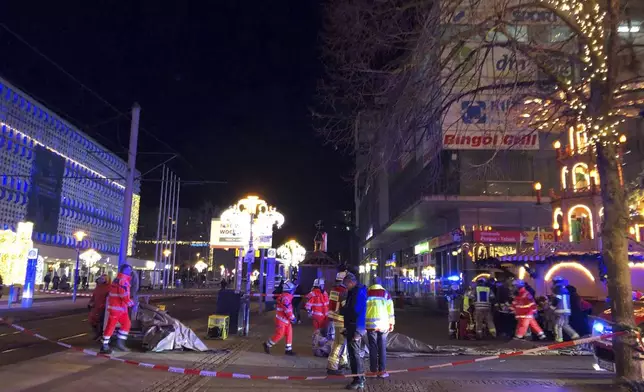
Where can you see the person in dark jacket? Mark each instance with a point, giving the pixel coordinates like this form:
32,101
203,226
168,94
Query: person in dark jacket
355,315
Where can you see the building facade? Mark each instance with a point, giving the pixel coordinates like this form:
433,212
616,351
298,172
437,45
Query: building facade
60,181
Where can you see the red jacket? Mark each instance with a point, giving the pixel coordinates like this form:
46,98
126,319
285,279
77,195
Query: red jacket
524,305
317,304
118,299
98,302
284,309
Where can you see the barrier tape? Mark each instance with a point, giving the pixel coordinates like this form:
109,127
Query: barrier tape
67,293
213,373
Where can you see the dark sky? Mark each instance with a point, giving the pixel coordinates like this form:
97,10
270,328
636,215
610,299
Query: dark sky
226,84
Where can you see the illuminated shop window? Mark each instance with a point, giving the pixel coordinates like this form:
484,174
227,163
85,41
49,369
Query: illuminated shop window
580,223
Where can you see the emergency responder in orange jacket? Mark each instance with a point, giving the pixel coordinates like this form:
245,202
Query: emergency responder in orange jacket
524,307
97,304
118,302
338,355
284,318
317,304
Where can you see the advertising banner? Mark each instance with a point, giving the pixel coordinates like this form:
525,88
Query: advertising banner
489,140
43,206
498,236
235,235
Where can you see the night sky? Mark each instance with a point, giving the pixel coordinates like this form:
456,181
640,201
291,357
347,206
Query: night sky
226,84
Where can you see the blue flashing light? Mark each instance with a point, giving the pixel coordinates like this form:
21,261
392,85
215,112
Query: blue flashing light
454,278
598,327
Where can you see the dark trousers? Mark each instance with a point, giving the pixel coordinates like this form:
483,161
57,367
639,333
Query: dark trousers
355,361
377,351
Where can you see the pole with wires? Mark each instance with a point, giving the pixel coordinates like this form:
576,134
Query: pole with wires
176,225
157,251
129,184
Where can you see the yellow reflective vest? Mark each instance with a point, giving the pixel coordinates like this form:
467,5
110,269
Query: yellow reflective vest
380,309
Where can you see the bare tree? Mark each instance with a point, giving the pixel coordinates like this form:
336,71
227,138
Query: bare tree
400,70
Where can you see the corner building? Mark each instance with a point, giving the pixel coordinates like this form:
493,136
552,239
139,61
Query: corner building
56,181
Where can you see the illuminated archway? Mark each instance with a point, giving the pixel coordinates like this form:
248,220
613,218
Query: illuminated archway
581,227
480,276
564,174
568,265
580,176
581,137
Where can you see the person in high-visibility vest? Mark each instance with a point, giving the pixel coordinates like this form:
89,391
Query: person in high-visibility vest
118,303
380,320
454,305
317,307
525,307
338,356
561,306
284,318
482,298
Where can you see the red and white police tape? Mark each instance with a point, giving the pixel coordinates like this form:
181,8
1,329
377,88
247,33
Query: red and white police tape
213,373
170,294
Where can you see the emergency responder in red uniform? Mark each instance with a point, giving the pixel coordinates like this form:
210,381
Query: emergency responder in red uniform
338,355
97,304
118,302
284,318
317,305
524,308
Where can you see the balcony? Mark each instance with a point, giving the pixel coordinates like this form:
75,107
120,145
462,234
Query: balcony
569,193
498,188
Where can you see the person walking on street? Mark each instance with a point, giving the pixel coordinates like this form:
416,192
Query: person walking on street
525,308
338,355
380,320
118,304
355,314
561,306
483,298
284,318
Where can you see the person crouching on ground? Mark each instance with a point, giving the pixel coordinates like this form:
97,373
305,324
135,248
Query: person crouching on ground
97,304
317,307
284,318
379,322
118,304
525,308
354,312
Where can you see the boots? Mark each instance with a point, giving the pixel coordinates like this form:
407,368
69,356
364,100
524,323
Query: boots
105,349
120,345
267,348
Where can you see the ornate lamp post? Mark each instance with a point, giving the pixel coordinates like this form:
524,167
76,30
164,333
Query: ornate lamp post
249,215
292,253
79,235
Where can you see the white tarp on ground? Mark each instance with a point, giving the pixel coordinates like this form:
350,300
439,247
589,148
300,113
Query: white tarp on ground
399,345
165,333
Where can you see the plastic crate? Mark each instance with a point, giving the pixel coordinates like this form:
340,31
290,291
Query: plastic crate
218,326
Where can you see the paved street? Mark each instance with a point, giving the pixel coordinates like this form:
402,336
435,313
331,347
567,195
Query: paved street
69,371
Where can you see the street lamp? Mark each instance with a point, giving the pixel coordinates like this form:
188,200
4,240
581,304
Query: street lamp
79,235
292,253
537,188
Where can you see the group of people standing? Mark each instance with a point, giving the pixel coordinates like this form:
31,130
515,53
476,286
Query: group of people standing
511,305
345,316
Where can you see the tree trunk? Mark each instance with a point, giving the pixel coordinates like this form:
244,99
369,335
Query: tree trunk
615,256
